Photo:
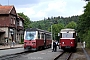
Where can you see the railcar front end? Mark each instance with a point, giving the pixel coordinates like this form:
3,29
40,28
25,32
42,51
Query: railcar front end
30,40
68,43
36,39
68,39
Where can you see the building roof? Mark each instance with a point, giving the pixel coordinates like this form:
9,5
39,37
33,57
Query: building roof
5,9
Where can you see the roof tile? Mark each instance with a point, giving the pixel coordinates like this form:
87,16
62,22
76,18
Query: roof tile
5,9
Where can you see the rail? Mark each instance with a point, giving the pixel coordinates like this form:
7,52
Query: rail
69,56
64,56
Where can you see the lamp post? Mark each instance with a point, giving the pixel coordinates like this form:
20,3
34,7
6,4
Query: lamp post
55,22
8,2
51,37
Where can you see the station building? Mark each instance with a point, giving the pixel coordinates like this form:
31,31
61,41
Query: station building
11,25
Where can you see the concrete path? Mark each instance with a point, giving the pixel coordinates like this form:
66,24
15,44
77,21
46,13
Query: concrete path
10,47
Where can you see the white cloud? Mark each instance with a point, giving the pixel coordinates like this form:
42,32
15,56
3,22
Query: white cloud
27,11
56,5
48,8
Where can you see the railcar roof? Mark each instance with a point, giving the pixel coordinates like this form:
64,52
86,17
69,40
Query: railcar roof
67,30
36,29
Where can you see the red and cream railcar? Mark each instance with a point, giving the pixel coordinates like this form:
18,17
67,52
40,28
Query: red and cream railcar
36,39
68,39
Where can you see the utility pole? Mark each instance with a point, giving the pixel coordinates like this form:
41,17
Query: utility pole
8,2
51,37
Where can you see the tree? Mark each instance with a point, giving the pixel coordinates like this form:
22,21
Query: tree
26,21
84,24
48,18
87,38
56,29
84,21
39,26
72,25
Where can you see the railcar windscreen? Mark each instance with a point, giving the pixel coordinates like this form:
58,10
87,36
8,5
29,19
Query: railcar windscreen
30,35
67,35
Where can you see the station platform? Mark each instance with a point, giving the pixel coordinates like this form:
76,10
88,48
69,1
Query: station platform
46,54
10,47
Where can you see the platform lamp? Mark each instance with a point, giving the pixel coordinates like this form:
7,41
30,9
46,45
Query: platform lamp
55,22
51,37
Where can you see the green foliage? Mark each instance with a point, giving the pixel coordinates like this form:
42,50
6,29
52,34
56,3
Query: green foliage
87,38
57,27
84,21
57,22
46,23
55,30
84,25
72,25
26,20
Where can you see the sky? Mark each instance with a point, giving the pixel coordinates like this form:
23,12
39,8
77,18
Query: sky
39,9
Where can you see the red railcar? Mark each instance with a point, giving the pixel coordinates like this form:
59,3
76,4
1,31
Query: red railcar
68,39
36,39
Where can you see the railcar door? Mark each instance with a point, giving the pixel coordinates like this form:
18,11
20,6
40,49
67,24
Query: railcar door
44,40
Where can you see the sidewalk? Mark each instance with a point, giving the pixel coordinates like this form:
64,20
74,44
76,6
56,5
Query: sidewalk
8,47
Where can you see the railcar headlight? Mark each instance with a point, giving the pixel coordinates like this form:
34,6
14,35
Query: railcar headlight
71,42
62,42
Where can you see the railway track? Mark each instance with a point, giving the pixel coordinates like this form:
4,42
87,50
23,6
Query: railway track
8,57
86,54
64,56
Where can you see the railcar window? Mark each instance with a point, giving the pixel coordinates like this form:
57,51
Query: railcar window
67,35
42,36
74,35
48,36
38,35
30,35
60,35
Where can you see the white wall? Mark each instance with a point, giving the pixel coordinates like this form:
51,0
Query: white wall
6,31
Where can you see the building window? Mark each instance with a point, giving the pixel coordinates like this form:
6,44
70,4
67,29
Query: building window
20,23
42,36
14,20
11,20
17,23
38,35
